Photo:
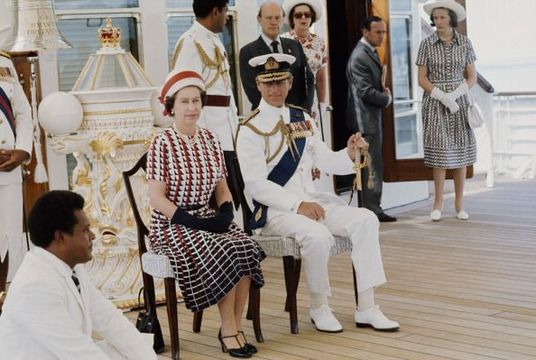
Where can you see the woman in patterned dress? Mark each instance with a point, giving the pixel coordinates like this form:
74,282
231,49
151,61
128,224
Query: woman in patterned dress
301,14
446,73
214,261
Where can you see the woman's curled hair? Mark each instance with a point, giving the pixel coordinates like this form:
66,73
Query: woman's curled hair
169,102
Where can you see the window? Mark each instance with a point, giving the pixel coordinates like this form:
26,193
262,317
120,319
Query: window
401,60
94,4
187,4
400,5
408,126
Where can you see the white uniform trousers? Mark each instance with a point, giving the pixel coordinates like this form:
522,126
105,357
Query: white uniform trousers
11,225
315,239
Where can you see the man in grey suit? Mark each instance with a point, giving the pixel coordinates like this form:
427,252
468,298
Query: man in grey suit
366,98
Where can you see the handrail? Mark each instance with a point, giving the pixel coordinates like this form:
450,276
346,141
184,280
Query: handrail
481,80
516,93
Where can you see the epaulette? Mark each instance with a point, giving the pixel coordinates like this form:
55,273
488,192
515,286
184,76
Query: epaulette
251,116
5,54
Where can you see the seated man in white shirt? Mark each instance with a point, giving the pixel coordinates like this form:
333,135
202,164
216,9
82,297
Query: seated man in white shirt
278,179
52,308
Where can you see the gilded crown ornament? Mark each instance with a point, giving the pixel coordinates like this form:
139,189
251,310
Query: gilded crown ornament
109,36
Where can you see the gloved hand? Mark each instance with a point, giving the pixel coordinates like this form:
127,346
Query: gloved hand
445,99
459,91
217,224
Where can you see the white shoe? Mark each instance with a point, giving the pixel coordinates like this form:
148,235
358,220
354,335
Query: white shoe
435,215
462,215
324,320
375,319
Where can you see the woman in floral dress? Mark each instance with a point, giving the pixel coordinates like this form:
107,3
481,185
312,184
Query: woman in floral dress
446,71
214,261
301,14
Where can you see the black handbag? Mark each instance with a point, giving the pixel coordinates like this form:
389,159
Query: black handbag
147,322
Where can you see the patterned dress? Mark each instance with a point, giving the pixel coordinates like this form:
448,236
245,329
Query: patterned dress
315,52
449,142
207,265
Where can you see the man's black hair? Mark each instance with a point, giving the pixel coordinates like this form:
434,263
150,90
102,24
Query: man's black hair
203,8
52,212
365,25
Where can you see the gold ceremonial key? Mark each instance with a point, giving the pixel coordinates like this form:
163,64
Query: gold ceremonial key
360,162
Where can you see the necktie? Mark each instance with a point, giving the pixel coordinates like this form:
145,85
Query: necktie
275,47
377,55
75,280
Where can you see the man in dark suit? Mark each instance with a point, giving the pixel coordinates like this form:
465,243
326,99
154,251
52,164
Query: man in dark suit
270,18
367,96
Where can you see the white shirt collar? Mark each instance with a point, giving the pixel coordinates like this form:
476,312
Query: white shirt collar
199,27
364,41
53,260
270,110
269,41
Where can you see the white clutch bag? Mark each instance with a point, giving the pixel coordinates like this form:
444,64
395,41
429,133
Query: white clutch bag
474,114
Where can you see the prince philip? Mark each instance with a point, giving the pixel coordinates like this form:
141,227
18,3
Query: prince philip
277,146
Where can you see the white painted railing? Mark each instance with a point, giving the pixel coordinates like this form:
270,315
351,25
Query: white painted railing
514,134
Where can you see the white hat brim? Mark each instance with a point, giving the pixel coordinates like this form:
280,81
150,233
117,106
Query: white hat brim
313,4
458,9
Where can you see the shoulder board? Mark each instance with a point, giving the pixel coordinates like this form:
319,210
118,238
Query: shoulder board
251,116
5,54
297,107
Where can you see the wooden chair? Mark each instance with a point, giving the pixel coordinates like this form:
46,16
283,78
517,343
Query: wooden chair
156,266
159,267
287,249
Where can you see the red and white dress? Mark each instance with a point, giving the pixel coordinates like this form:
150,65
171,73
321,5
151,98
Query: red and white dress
207,265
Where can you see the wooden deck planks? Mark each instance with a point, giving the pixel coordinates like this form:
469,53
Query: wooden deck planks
461,290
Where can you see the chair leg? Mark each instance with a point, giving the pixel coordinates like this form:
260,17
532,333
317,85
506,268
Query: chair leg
198,318
355,286
254,305
171,303
296,268
292,268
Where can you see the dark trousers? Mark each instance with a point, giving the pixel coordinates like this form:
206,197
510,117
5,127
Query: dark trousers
372,197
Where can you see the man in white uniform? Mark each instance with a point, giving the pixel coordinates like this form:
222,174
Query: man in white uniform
16,136
277,147
201,50
52,309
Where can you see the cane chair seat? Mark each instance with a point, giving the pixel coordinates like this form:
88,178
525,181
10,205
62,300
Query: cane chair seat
279,246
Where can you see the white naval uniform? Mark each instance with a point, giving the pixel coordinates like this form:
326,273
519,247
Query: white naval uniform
10,182
222,121
314,237
45,317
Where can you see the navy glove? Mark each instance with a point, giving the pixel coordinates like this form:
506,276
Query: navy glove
217,224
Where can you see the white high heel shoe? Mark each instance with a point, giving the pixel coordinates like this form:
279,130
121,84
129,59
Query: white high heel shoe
462,215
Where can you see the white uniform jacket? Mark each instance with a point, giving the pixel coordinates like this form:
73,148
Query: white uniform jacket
46,318
23,119
284,199
10,182
201,50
